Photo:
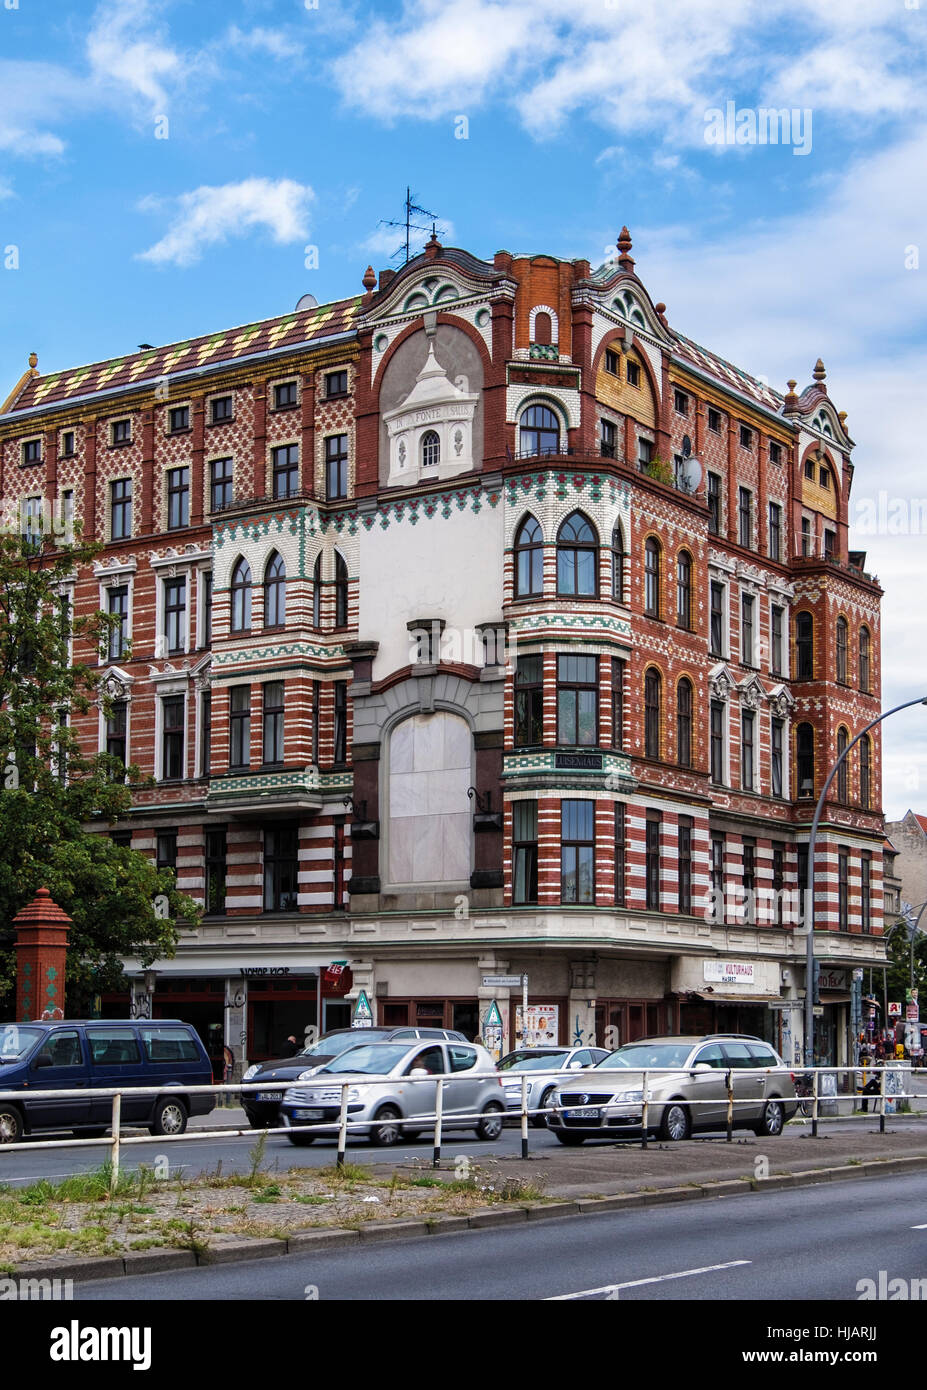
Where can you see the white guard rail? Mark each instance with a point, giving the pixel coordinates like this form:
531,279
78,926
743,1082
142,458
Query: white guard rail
883,1084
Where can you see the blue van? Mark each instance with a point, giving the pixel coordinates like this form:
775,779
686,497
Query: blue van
142,1053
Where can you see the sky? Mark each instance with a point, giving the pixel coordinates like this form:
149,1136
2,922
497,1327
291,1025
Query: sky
174,167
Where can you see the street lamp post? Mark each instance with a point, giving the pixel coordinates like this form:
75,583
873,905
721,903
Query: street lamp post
812,844
912,929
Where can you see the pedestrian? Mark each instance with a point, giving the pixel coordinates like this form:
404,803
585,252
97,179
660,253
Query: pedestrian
291,1046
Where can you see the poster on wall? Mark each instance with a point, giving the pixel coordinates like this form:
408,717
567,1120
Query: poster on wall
541,1025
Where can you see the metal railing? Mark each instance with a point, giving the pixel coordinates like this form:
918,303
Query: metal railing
820,1104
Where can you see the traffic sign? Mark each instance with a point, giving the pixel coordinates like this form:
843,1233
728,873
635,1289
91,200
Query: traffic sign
363,1016
501,981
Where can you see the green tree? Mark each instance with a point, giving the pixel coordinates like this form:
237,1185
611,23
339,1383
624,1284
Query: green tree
57,803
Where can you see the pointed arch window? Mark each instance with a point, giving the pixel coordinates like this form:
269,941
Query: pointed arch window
652,578
653,689
341,591
684,723
618,565
864,650
842,632
529,559
275,592
241,597
865,773
577,557
317,592
804,759
684,590
842,741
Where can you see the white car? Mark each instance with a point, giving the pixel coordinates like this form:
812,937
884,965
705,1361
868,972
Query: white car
543,1065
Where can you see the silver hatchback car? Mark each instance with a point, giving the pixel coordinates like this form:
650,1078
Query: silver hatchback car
542,1064
392,1092
687,1090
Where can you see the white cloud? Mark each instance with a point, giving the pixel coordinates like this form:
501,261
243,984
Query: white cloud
209,216
634,67
128,56
274,42
386,241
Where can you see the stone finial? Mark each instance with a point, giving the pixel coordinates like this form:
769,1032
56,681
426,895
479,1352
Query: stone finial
369,279
33,360
624,246
433,246
842,417
791,400
819,373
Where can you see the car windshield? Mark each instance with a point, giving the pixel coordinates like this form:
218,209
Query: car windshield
640,1055
15,1041
332,1047
374,1060
533,1061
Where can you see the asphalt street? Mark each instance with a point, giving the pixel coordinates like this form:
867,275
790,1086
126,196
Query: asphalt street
817,1243
197,1155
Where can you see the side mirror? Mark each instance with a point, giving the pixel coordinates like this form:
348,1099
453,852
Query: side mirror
702,1066
419,1071
43,1060
576,1066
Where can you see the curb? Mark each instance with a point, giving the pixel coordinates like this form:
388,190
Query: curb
305,1242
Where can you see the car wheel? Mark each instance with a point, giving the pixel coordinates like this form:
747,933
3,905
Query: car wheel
676,1123
567,1136
773,1120
170,1117
490,1125
385,1130
540,1121
11,1124
302,1141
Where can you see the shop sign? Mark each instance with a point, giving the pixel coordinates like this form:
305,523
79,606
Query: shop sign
894,1008
911,1013
832,979
728,972
250,971
541,1025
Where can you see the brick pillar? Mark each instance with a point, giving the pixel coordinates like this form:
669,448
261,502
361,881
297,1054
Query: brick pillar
41,948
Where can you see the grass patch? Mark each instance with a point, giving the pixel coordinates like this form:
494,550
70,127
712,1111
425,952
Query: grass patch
348,1173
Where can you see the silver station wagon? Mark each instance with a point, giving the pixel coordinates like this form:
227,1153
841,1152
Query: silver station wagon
392,1092
687,1090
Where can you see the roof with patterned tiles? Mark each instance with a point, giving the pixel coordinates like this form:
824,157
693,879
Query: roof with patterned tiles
322,321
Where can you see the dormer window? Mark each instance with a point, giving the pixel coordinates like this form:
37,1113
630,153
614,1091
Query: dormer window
431,449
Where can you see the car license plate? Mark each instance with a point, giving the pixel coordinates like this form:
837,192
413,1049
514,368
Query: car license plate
587,1112
308,1114
269,1095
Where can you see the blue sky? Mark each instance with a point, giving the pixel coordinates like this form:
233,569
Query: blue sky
290,125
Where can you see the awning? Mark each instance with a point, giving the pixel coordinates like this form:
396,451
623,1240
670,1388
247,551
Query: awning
758,1000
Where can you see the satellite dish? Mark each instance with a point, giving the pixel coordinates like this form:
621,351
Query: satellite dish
690,473
308,301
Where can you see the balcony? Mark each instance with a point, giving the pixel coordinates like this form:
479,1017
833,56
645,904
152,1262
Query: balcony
251,792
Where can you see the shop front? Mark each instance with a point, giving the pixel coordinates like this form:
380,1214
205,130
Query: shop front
728,996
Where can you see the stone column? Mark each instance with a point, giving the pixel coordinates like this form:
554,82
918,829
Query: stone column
236,1024
41,951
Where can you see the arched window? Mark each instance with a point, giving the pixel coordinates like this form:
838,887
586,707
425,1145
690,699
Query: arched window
864,648
618,565
684,723
543,329
529,559
275,592
317,593
241,597
431,449
842,741
577,557
684,589
804,759
539,432
652,578
865,773
842,650
652,718
804,647
341,591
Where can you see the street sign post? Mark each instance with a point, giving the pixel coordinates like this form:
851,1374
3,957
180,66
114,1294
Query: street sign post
501,981
492,1031
363,1014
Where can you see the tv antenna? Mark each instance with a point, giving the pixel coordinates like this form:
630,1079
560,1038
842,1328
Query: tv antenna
412,209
